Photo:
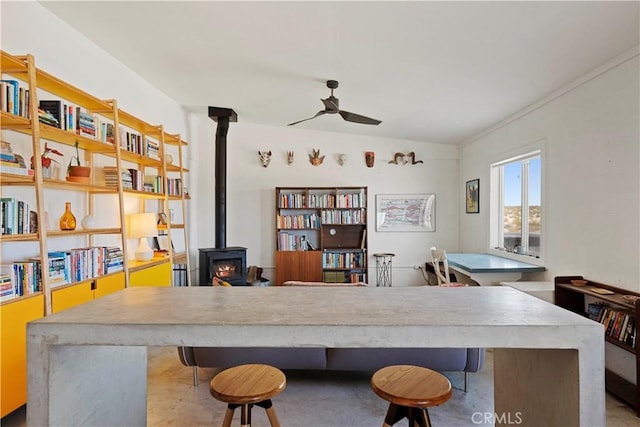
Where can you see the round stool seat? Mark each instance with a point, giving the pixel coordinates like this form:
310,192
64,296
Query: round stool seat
247,385
410,390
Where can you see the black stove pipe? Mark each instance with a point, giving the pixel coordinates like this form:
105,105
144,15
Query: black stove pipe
222,116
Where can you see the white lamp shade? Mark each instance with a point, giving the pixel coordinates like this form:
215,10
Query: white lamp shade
142,225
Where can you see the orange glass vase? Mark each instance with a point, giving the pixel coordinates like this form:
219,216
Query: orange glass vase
67,220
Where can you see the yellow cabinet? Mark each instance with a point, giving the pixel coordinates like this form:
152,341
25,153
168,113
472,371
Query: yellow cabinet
13,350
71,296
157,275
64,298
109,284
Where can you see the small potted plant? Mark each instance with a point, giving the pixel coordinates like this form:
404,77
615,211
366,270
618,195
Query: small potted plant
77,172
45,160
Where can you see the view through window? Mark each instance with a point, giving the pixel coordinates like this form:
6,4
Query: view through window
516,204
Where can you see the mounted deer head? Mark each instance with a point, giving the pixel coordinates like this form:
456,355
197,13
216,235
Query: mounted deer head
289,157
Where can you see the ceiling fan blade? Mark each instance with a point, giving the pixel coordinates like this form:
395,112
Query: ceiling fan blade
319,113
331,104
357,118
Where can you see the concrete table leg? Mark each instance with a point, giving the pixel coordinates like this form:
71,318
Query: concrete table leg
87,385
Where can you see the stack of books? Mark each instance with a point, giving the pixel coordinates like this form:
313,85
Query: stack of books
7,290
111,177
9,162
114,260
86,126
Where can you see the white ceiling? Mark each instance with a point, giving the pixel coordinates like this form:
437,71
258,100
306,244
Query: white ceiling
431,71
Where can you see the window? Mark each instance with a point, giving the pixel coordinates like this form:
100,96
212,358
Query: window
516,205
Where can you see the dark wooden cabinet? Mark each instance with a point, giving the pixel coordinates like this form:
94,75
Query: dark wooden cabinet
321,234
622,309
305,266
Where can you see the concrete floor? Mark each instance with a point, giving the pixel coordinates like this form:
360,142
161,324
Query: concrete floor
315,399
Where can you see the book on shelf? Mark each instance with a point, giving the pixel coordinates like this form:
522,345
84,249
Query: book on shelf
24,276
56,267
107,131
16,170
11,95
54,110
151,148
7,285
7,155
84,123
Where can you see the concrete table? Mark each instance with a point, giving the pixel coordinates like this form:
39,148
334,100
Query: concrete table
489,269
543,290
88,365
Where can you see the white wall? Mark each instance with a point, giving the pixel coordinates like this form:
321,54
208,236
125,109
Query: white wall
592,184
67,54
251,189
70,56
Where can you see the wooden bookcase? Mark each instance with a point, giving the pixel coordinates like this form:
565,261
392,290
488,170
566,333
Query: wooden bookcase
321,234
578,299
106,137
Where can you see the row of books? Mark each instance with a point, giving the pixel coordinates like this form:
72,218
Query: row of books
619,325
351,200
291,201
139,144
343,260
16,217
72,118
299,221
174,186
80,264
343,277
356,216
111,176
19,279
134,179
293,242
323,200
14,99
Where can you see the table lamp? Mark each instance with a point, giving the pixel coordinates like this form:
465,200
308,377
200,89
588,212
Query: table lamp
142,226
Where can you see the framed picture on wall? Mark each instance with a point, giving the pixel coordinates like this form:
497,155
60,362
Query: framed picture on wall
473,196
405,212
162,243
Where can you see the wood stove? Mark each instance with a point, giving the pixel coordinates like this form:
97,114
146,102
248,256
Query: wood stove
228,264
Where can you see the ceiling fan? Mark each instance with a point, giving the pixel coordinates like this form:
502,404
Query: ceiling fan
332,106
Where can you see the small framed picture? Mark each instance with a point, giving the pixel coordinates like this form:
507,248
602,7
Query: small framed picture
161,243
162,218
473,196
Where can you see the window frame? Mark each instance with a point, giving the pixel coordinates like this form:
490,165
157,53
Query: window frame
496,208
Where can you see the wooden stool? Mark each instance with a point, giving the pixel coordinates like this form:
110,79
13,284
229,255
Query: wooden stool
247,385
410,391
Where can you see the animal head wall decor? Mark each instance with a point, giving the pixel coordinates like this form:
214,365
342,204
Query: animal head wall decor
265,157
403,159
289,157
412,156
342,159
315,158
398,159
